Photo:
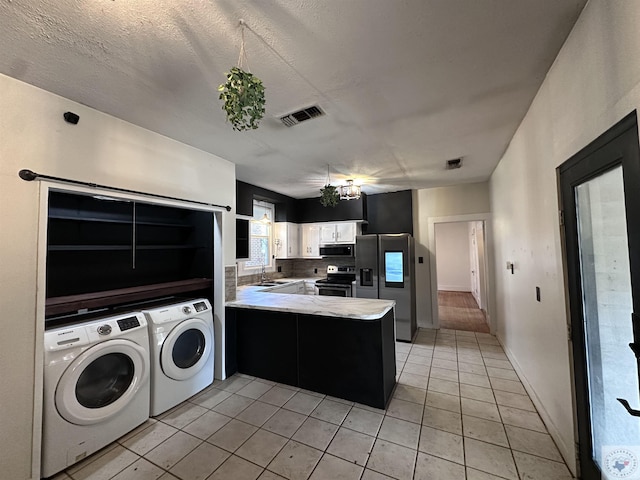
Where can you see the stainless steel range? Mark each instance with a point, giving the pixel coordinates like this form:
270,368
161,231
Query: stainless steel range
338,282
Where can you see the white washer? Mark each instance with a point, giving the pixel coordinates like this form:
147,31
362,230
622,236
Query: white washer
182,343
96,387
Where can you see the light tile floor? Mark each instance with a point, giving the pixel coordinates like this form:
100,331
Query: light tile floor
459,412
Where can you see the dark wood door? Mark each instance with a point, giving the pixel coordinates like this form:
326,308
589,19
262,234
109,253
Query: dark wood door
600,191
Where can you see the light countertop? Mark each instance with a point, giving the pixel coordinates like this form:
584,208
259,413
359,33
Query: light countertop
261,298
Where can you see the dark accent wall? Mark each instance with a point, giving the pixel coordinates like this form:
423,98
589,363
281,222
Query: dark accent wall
310,210
390,213
385,212
246,193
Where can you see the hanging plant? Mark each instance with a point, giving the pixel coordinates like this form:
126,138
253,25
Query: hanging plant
242,94
243,97
329,195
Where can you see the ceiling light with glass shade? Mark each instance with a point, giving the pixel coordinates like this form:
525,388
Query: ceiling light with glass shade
350,191
265,219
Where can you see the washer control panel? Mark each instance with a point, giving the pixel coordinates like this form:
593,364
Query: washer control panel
186,310
128,323
200,306
95,331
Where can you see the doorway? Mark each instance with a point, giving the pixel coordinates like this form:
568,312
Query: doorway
461,275
600,195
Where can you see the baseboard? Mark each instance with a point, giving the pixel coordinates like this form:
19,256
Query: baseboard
453,288
568,452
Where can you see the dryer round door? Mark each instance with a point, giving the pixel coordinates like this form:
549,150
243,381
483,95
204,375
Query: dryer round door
101,381
186,349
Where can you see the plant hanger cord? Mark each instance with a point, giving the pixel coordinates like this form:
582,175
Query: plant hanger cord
242,57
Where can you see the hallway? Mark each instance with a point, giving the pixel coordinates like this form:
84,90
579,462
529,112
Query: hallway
459,311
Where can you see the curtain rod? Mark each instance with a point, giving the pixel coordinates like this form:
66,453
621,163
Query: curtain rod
29,176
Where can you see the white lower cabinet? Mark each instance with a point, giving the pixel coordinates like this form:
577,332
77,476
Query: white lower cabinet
309,287
288,288
297,287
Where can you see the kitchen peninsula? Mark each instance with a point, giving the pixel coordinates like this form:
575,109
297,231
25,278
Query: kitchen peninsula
343,347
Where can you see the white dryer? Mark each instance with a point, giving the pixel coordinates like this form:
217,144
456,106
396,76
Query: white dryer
96,387
182,344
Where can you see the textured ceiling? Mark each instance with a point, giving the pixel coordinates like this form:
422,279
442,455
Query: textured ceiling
405,84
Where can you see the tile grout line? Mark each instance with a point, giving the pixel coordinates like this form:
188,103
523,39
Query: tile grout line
436,348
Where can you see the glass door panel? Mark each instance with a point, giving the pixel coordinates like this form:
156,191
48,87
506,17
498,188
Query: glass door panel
607,304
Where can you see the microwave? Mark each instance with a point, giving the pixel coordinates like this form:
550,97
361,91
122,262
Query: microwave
337,250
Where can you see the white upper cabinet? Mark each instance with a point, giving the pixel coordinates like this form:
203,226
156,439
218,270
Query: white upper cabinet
291,240
328,233
286,240
310,240
344,232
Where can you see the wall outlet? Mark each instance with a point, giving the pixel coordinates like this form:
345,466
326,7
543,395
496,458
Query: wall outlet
315,270
279,269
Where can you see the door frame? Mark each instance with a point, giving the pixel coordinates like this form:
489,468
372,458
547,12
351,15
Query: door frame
489,267
572,273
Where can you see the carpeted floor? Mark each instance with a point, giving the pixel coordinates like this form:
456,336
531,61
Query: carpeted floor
459,311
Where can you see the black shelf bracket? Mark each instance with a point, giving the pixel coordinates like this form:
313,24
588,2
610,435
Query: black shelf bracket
29,176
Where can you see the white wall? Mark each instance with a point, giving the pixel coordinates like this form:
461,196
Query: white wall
453,256
434,203
100,149
594,82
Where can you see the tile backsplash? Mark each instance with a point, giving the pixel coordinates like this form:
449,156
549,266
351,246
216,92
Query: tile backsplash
298,268
230,283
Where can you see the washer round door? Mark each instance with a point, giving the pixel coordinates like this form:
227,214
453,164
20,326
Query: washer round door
186,349
102,381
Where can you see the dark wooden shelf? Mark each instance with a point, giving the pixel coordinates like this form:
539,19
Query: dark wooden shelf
146,223
165,247
90,219
80,248
73,303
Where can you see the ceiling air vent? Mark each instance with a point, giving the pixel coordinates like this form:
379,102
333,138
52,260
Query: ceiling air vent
455,163
301,116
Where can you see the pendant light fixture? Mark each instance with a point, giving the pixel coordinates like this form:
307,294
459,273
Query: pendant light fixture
350,191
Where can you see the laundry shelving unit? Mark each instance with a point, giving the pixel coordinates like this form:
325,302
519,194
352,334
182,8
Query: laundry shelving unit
105,251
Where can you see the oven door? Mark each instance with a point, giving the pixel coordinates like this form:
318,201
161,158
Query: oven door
333,290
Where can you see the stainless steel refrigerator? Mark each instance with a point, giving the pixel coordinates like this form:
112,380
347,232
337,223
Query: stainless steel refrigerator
385,268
